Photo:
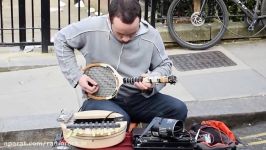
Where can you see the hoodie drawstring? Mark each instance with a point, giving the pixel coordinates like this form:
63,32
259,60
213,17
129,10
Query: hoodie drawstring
119,58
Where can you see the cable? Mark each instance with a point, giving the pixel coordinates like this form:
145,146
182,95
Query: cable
108,115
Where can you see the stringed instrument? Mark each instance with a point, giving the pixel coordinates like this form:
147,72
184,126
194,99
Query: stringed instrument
94,129
109,80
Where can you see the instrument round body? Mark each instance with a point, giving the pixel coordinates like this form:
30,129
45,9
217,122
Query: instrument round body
107,79
94,135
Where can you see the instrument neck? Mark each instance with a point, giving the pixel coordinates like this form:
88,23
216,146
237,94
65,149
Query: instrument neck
132,80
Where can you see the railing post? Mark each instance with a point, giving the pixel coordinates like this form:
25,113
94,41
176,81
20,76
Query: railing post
45,24
22,22
1,23
153,12
146,10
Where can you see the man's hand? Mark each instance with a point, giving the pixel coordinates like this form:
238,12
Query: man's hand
88,85
144,86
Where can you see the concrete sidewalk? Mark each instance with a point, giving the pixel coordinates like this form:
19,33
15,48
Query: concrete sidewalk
32,98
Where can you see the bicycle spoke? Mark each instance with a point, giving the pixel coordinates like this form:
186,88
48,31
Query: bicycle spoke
197,30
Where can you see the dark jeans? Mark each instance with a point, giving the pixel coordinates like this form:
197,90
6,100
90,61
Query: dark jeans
141,109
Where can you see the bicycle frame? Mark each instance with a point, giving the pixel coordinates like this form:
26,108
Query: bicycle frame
243,7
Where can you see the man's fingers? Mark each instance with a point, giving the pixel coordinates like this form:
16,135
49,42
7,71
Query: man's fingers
140,85
91,81
91,89
88,85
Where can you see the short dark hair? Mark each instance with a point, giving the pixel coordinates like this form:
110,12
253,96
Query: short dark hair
126,10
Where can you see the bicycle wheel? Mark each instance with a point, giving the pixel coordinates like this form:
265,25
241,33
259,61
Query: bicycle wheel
263,11
194,31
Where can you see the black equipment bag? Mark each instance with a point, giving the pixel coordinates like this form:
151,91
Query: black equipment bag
162,134
210,137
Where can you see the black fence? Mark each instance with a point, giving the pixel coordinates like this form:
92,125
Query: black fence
34,22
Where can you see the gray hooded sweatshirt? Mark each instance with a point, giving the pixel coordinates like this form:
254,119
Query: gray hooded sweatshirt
93,37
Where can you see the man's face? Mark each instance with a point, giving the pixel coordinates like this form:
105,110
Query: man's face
125,32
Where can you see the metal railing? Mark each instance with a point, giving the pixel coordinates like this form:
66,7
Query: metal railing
34,22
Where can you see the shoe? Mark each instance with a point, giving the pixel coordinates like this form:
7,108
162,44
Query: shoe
81,4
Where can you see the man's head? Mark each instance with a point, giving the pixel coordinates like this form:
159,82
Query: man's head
125,18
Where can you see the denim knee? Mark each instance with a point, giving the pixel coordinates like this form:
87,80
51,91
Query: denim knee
182,111
178,110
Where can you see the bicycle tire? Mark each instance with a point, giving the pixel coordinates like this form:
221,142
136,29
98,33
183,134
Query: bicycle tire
193,37
263,11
